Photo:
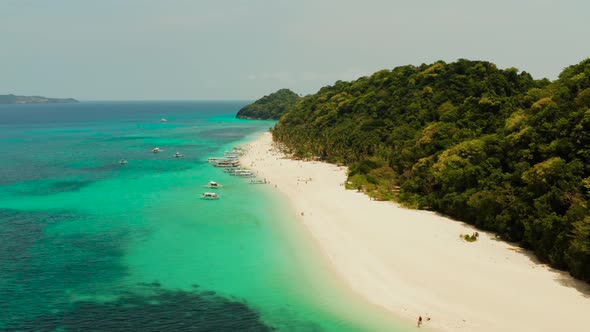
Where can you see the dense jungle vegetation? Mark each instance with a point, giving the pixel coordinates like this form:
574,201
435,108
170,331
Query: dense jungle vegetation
270,107
494,148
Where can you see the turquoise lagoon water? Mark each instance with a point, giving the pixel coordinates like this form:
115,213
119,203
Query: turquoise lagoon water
87,244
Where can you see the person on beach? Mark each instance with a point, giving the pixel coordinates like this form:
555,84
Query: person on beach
419,321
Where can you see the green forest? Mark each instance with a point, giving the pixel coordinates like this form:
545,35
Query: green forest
492,147
270,107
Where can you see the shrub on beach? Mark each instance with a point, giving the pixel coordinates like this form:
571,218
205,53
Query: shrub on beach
469,238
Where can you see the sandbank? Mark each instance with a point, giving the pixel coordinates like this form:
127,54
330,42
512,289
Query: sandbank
413,263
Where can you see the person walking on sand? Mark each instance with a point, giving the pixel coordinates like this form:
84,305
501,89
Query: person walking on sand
419,321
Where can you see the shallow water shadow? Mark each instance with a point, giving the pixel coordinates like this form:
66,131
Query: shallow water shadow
38,267
44,189
155,309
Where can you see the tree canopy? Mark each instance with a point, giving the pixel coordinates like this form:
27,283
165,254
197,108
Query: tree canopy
270,107
491,147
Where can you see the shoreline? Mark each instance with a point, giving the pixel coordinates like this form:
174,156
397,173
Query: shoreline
412,263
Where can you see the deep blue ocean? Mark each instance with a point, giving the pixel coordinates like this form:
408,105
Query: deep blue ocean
88,244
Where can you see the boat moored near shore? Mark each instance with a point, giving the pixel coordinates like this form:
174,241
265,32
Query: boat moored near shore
231,155
227,163
245,173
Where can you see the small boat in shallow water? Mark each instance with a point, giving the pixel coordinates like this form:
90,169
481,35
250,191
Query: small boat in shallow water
245,173
178,155
231,155
258,181
213,185
227,163
123,162
231,170
209,196
157,150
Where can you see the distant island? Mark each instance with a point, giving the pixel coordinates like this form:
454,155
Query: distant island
13,99
270,107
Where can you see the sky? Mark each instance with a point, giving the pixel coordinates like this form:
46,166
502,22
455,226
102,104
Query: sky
244,49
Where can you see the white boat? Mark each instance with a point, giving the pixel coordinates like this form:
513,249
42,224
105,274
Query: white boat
163,120
243,173
258,181
227,163
232,170
213,185
209,196
238,150
231,154
123,162
214,160
157,150
178,155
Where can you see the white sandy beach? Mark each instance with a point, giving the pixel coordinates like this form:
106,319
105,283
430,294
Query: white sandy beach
413,263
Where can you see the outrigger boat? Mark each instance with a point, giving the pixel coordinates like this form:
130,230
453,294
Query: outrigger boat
232,170
214,160
209,196
213,185
258,181
231,155
227,163
157,150
245,173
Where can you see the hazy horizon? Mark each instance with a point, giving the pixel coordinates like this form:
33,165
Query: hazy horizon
242,50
